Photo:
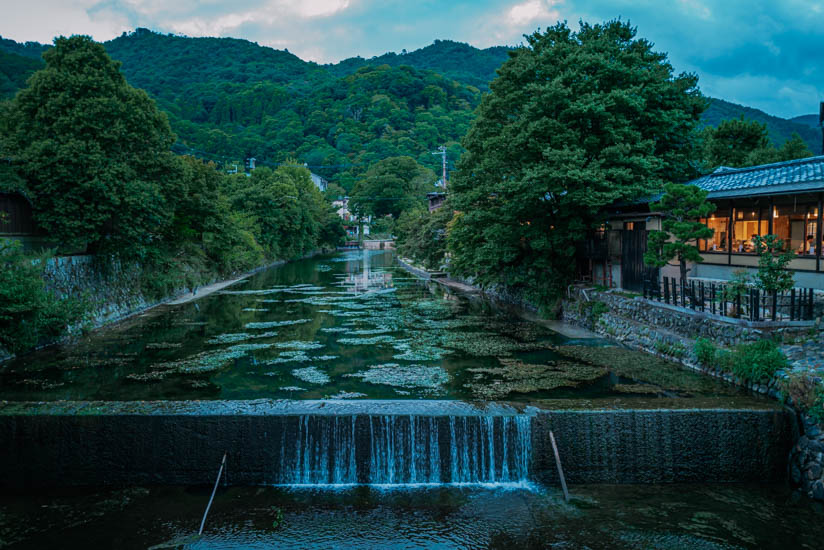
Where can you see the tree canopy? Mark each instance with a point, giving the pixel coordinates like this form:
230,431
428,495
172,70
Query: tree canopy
741,142
575,121
391,186
95,151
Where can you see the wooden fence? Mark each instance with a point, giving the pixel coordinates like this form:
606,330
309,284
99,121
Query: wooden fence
797,304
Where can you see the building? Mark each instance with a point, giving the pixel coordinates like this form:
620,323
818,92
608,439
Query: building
17,220
351,223
783,198
319,181
435,200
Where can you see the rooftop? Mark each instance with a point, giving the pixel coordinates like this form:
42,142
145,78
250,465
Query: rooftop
779,177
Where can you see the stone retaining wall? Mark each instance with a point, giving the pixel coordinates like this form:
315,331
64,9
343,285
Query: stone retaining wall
670,331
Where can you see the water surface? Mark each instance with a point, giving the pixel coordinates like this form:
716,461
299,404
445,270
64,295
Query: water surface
598,516
346,326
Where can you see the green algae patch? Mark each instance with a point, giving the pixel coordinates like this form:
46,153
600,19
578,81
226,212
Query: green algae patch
239,337
515,376
312,375
404,376
637,389
484,344
640,366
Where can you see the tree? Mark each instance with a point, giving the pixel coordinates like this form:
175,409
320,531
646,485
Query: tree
94,151
681,206
391,186
772,275
575,121
422,235
733,141
739,143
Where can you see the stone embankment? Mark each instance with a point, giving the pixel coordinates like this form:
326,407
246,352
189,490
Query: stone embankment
670,331
113,289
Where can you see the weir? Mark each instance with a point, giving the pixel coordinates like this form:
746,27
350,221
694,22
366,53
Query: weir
402,450
382,443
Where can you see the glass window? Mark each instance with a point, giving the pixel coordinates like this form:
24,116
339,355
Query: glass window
796,225
718,241
746,226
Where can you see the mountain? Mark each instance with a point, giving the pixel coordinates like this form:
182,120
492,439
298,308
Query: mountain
807,120
229,98
14,71
454,60
780,129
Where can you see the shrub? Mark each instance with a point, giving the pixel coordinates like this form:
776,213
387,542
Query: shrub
807,393
705,352
29,313
756,361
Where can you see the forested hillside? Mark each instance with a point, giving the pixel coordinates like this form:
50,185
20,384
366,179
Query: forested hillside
455,60
228,99
779,129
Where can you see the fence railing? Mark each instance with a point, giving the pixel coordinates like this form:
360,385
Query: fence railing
797,304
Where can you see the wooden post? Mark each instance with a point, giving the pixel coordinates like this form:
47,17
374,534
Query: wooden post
792,304
712,298
558,463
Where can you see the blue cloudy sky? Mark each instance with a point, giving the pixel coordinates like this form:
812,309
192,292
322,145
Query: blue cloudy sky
762,53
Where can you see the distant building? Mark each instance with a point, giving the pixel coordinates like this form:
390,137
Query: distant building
351,223
436,200
319,181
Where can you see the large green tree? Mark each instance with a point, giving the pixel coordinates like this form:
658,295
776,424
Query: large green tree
95,151
740,142
575,121
391,186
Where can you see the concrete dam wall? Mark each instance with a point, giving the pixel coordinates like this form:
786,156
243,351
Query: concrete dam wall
382,442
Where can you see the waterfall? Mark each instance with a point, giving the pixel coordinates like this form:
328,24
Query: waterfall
388,450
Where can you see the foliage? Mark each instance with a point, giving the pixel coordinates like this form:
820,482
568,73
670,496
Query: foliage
94,151
681,206
29,313
575,121
14,71
806,392
740,142
230,99
422,235
737,286
772,275
383,227
391,186
454,60
779,129
754,361
705,351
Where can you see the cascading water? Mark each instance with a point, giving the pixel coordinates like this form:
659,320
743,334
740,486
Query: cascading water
389,450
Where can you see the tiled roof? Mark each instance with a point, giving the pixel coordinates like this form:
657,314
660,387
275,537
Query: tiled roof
780,177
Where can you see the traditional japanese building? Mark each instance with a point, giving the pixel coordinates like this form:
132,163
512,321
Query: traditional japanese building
783,199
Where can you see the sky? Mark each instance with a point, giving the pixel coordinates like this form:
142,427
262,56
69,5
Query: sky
767,54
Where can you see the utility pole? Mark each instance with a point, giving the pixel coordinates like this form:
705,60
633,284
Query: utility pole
442,153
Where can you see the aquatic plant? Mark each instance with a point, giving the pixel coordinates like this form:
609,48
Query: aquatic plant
272,324
366,341
238,337
313,375
403,376
299,344
515,376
